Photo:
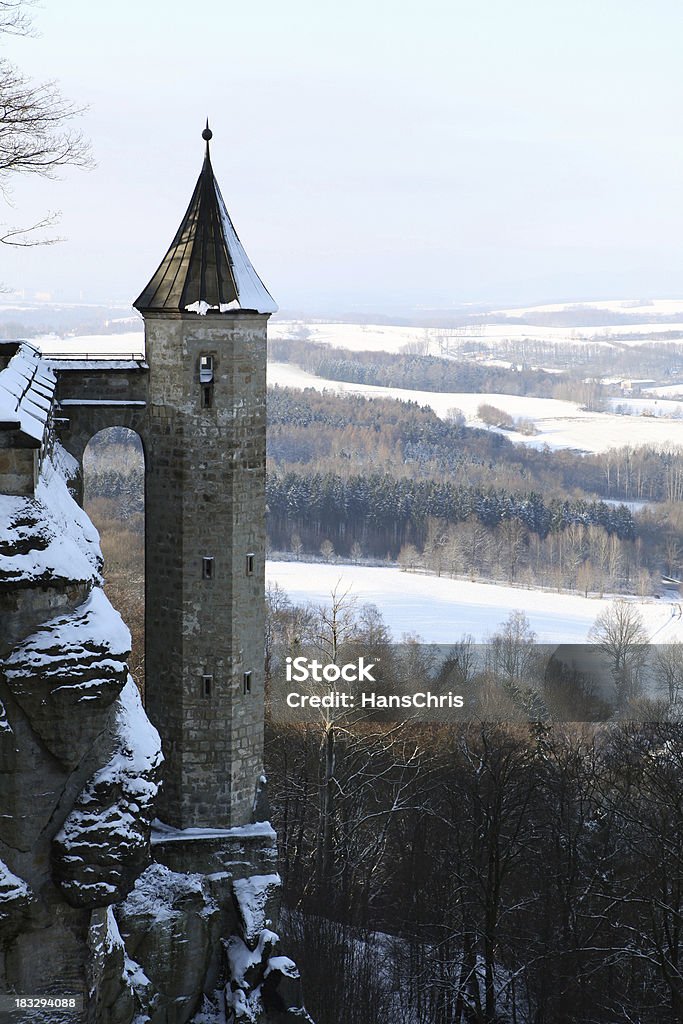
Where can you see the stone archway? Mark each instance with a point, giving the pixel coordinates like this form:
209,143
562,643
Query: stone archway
113,479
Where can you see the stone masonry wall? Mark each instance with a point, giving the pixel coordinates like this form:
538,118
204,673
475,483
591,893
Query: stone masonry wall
205,499
17,470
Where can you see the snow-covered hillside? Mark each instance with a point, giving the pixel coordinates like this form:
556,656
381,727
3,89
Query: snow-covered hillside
558,424
440,609
491,329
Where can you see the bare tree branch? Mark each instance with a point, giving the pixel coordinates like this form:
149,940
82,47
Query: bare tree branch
35,132
14,21
20,236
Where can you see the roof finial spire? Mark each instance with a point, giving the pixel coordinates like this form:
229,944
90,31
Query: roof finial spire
207,135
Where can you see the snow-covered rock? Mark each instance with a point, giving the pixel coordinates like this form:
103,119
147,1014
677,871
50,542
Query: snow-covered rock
103,844
68,673
47,540
15,902
257,899
169,922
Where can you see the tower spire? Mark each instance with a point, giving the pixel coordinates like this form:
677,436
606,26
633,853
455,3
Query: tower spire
206,267
207,135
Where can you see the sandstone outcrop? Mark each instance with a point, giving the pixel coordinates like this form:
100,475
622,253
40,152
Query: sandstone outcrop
142,923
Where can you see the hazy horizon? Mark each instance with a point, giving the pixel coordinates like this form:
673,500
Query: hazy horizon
372,159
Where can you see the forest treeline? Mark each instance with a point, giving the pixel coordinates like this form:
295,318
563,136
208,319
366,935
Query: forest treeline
486,873
581,364
379,478
373,477
647,358
413,370
346,432
379,514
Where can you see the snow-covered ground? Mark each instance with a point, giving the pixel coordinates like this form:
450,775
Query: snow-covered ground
648,307
666,390
376,338
441,610
493,329
372,338
559,424
647,406
632,506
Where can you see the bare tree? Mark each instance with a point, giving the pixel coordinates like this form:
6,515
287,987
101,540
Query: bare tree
35,132
668,663
619,632
512,651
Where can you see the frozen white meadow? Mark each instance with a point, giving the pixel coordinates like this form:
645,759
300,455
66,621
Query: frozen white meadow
441,610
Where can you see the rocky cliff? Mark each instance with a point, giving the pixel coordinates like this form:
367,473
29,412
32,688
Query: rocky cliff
140,922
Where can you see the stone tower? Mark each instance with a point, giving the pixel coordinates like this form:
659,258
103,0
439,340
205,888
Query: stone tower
206,312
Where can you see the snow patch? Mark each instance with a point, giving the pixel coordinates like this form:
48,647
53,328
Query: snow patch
441,610
48,539
4,721
158,889
284,965
11,887
202,308
252,896
94,634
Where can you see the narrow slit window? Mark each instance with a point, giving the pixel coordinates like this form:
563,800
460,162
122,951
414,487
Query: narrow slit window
250,564
206,369
207,685
207,568
246,682
206,378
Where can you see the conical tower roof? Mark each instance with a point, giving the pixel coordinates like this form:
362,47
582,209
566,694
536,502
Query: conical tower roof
206,268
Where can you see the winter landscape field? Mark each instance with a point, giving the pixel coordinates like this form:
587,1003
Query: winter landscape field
440,610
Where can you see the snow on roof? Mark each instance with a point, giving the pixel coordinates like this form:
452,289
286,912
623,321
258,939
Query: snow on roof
206,268
27,388
65,402
105,364
259,830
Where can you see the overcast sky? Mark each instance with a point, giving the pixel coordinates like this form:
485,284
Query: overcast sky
373,155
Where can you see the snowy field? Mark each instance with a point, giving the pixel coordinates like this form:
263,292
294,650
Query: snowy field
648,307
375,338
647,406
440,610
132,343
493,329
559,424
666,390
